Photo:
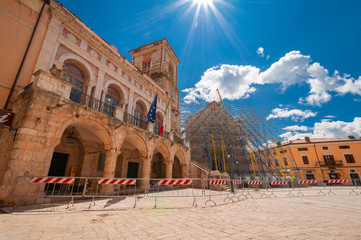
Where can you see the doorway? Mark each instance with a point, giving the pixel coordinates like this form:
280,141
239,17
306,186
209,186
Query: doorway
58,164
132,170
57,168
355,178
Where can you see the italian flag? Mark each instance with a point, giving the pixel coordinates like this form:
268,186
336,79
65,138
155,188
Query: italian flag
161,130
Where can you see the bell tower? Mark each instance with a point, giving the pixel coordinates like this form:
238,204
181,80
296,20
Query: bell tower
158,60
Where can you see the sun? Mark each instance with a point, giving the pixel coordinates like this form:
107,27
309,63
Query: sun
204,3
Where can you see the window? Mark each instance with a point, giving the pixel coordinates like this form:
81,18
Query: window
329,160
344,147
112,99
76,77
285,161
139,111
310,177
101,162
305,160
349,158
302,149
146,67
324,148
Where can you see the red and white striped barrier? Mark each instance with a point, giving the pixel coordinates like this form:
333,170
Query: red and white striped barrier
51,180
217,182
255,182
307,181
118,181
279,183
338,181
176,182
237,181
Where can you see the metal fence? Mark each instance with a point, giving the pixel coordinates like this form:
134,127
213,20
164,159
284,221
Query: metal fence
211,191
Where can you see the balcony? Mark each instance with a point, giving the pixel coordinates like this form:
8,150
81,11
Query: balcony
95,104
135,121
331,163
59,87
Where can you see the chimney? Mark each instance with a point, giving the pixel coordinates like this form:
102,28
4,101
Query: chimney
307,139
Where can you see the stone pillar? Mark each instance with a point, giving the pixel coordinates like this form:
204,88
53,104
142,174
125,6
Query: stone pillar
118,113
171,136
168,169
109,170
150,127
50,45
184,170
99,84
131,101
146,167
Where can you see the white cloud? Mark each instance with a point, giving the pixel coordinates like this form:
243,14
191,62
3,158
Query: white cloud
295,114
260,52
236,82
334,129
330,116
296,128
289,70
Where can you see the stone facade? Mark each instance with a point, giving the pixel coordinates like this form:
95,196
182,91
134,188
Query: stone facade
85,109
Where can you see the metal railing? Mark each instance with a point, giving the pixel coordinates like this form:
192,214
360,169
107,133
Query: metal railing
135,121
212,191
331,163
91,102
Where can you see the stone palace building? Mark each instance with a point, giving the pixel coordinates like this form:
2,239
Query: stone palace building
80,106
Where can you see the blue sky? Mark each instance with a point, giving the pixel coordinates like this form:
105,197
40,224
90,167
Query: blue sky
300,60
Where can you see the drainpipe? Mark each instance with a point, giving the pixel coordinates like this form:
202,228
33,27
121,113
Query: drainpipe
318,160
24,57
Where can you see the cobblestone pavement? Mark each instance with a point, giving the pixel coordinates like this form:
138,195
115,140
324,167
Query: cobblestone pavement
326,217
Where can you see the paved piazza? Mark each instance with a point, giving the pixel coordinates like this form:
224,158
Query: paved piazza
323,217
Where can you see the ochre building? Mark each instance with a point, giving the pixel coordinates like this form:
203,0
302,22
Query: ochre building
321,159
80,106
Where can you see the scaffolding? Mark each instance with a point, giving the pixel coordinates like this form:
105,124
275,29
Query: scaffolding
235,139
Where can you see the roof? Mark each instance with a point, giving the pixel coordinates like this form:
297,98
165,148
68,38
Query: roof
320,140
163,40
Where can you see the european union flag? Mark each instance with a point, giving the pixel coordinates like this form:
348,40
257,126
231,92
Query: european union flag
152,111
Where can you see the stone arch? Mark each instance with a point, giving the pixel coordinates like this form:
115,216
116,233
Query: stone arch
181,156
105,136
81,144
143,101
120,88
179,162
160,161
161,148
79,61
129,162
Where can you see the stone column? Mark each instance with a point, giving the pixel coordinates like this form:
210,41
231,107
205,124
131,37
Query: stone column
99,84
130,102
50,45
146,167
184,170
109,170
168,169
150,127
118,112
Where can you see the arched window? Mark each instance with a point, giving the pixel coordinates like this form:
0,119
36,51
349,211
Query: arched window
76,77
139,111
112,97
